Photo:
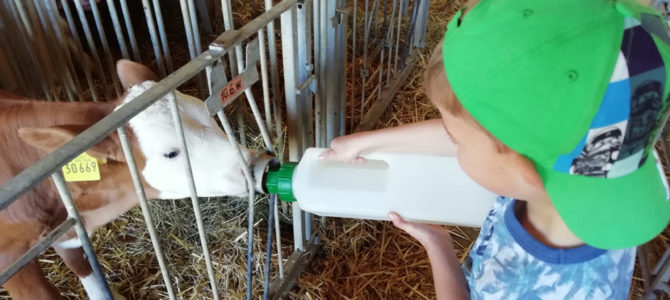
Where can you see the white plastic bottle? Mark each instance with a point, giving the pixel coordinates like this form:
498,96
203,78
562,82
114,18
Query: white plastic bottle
421,188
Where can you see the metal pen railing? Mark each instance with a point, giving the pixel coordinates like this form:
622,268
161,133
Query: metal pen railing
50,165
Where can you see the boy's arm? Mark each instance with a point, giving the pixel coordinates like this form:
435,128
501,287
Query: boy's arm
447,273
427,137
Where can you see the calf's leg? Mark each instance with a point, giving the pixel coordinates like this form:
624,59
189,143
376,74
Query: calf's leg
76,260
28,283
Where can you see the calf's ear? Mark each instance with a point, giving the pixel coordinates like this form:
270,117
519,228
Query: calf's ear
51,138
132,73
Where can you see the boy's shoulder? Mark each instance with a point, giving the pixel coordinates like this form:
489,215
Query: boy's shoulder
507,263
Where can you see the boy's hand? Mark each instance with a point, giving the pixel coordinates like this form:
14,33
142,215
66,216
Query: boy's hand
428,235
447,273
344,148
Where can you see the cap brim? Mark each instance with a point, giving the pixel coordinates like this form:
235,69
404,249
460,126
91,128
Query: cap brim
611,213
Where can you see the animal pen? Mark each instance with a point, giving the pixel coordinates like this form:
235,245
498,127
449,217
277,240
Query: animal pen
334,68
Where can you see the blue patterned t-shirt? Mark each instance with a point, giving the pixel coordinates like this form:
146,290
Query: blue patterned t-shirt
506,262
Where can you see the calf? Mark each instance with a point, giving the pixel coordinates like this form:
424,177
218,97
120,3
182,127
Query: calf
32,128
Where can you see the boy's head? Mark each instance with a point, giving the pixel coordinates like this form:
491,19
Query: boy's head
576,88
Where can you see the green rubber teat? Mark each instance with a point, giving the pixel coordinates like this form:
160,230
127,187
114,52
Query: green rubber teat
280,181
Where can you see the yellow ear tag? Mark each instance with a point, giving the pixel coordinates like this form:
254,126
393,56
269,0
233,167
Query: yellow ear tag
83,168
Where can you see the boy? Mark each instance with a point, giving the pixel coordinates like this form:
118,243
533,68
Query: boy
556,105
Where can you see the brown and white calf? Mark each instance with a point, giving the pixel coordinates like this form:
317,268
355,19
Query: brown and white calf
30,129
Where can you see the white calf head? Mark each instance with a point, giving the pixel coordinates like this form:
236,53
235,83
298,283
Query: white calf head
215,166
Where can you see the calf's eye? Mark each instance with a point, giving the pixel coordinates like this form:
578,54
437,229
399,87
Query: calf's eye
172,154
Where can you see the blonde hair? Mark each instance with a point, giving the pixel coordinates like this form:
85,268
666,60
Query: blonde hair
439,91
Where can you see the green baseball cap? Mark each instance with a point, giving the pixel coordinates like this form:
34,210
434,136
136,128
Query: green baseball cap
580,87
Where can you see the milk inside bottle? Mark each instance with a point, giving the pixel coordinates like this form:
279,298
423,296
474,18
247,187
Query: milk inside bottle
419,187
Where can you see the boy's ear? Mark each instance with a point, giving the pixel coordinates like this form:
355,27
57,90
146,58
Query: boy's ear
528,171
52,138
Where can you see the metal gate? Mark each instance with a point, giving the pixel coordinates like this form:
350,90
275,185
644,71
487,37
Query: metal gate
40,42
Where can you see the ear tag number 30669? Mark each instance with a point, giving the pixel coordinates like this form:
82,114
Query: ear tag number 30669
83,168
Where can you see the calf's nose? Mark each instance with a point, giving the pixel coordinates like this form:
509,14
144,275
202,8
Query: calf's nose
259,164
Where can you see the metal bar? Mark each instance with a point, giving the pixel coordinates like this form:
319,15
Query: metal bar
421,24
17,31
274,75
194,27
80,50
341,37
381,67
195,38
661,273
142,197
308,112
231,37
397,41
280,260
154,39
333,76
296,263
644,270
24,17
7,51
252,195
252,102
289,57
303,99
187,27
665,258
105,47
179,130
298,218
117,29
72,212
324,75
161,31
364,70
227,14
233,57
45,37
268,248
277,113
373,18
203,11
409,35
240,124
29,47
319,118
24,52
389,40
131,31
36,250
66,68
52,162
385,12
264,80
91,44
354,58
378,108
37,34
68,54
